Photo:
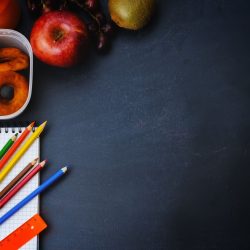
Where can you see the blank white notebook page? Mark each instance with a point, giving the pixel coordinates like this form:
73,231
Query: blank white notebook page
32,207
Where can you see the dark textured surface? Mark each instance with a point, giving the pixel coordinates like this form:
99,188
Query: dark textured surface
156,133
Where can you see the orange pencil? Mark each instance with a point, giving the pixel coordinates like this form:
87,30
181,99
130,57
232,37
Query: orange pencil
15,146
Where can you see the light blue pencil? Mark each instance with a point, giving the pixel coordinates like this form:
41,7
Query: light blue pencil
36,192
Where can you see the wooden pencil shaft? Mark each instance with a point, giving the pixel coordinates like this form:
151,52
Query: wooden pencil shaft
21,151
7,146
17,178
15,146
33,194
21,184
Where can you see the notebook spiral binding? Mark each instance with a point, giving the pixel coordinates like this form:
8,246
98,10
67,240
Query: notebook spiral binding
13,127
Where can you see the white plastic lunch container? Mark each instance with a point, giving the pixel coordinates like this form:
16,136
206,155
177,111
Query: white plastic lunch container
12,38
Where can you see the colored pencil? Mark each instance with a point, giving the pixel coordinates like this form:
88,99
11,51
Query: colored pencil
15,146
21,151
7,146
25,180
18,178
33,194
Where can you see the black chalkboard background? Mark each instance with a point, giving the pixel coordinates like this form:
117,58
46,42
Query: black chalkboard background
156,133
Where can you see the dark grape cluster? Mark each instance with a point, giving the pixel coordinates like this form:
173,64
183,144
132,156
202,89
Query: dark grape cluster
99,26
37,8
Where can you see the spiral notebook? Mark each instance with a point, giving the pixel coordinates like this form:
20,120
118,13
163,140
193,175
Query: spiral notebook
32,207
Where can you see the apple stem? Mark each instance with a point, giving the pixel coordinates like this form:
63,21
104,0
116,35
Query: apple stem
58,35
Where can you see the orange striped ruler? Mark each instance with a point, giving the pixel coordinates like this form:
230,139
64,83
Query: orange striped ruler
23,234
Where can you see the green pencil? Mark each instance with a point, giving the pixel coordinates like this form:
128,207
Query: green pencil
7,146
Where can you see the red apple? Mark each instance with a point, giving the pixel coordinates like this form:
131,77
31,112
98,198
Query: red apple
59,38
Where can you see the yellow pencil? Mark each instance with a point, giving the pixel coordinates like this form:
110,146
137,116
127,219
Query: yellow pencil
21,151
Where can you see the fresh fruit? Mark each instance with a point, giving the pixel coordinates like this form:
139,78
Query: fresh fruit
39,7
99,27
9,14
131,14
102,41
59,38
91,4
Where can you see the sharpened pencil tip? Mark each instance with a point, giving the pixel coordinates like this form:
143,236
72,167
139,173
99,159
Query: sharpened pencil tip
64,169
14,137
43,124
31,126
43,163
34,161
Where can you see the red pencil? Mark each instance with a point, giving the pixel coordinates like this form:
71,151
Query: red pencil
15,146
16,188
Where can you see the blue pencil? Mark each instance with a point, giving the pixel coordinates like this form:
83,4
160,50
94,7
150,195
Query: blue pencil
36,192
